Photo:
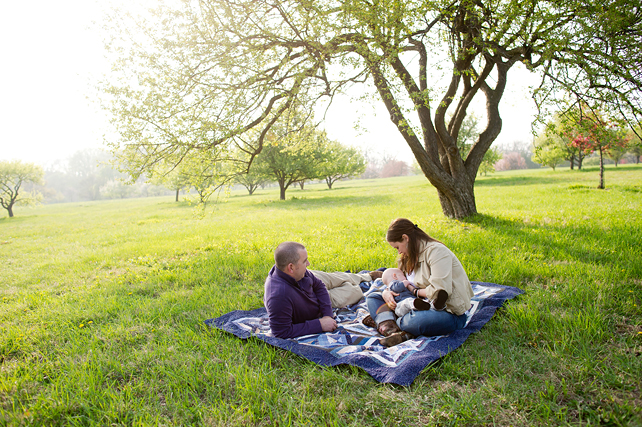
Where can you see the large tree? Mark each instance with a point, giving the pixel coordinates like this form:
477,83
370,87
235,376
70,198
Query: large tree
13,175
211,70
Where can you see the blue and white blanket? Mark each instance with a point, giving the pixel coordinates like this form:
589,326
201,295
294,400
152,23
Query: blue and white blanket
353,343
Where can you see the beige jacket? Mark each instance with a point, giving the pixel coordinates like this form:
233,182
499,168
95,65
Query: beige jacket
438,268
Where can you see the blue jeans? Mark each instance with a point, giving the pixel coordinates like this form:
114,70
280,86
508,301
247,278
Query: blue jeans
418,322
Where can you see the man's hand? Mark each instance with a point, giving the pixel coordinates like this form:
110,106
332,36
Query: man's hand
328,324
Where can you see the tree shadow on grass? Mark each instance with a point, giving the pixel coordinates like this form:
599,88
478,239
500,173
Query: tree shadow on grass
519,180
581,242
328,200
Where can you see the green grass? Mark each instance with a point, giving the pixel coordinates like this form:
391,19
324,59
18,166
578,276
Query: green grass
102,307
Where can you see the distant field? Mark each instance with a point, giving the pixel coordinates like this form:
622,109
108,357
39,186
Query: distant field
102,304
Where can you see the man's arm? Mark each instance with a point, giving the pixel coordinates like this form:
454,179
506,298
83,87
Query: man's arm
325,306
280,315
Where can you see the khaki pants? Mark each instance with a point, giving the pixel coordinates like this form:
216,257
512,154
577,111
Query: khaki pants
343,288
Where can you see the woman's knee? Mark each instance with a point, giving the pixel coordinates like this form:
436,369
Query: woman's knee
429,323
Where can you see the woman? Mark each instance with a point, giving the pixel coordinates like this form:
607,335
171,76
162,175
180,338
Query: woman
437,275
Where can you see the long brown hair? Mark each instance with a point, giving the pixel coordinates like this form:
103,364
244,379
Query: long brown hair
401,226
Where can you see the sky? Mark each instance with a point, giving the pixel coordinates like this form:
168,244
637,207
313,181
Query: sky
48,58
52,55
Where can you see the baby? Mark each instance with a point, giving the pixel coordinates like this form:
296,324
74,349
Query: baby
406,300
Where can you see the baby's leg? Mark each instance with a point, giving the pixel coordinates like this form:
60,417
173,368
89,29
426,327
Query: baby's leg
403,307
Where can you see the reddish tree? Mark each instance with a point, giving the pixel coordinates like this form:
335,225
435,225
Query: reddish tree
595,133
511,161
394,168
577,141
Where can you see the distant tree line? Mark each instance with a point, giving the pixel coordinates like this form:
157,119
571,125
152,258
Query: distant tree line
294,152
90,175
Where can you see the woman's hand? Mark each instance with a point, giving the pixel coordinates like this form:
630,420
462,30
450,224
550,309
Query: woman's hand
389,298
409,286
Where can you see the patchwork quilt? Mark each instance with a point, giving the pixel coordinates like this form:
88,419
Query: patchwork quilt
355,344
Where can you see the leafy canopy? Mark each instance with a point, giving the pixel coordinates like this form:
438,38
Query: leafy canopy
198,75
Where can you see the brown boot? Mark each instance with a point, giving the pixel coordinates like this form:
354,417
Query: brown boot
375,274
369,322
395,339
440,300
388,327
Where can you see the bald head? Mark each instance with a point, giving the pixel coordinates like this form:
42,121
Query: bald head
392,274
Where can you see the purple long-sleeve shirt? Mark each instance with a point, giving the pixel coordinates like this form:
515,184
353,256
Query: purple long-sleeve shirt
294,308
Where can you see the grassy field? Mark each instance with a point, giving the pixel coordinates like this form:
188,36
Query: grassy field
102,307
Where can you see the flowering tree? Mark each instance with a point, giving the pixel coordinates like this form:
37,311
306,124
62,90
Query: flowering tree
578,143
594,132
510,161
553,143
394,167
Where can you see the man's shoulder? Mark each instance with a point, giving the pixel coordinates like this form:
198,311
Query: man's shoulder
273,279
276,286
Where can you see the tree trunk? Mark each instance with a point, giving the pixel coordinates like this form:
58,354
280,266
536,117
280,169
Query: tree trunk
328,181
178,190
459,203
572,161
579,161
601,186
301,183
10,210
282,189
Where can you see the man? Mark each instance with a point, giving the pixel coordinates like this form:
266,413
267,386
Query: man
297,302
